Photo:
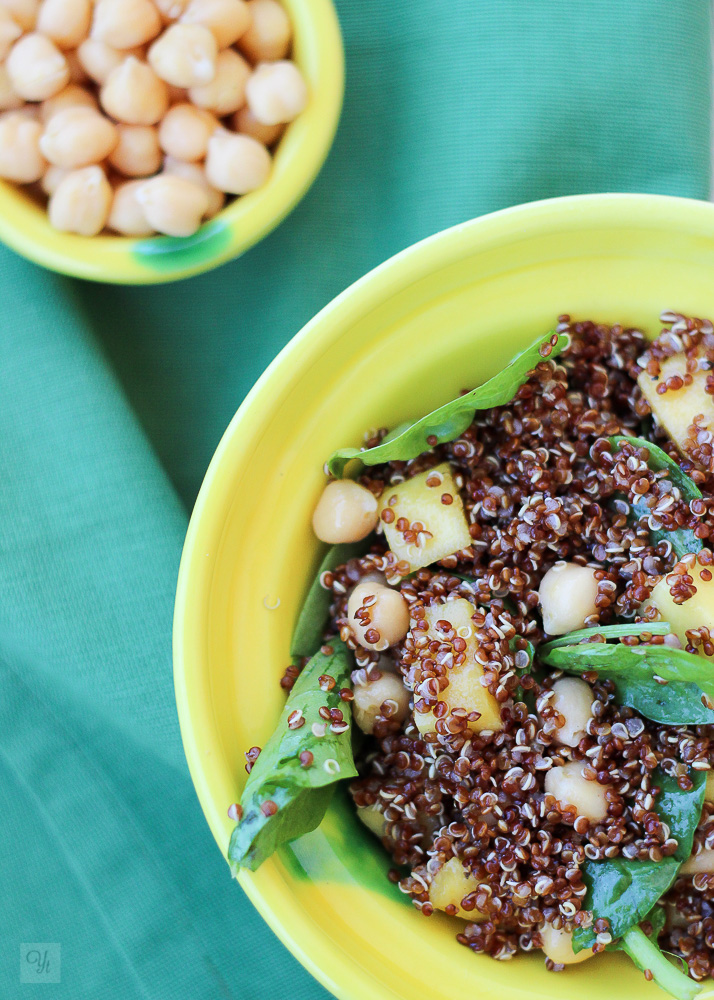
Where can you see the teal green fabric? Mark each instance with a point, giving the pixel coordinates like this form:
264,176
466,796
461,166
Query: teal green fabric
113,399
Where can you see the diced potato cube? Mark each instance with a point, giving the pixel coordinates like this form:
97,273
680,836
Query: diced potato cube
450,885
702,863
376,822
436,526
465,689
697,611
709,787
676,409
373,819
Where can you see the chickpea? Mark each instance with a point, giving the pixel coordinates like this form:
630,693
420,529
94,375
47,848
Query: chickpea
226,91
127,216
269,34
276,92
558,946
81,202
22,11
571,788
10,31
125,23
227,19
245,121
172,205
194,172
345,512
696,864
30,112
573,699
171,10
77,137
373,819
567,596
185,55
369,698
236,164
185,131
66,22
384,617
98,59
71,97
37,68
137,152
51,179
9,100
21,159
134,94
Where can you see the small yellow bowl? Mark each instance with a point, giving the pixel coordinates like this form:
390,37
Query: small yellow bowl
445,314
123,260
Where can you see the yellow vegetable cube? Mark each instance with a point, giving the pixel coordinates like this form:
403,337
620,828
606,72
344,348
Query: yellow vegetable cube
427,521
697,611
676,409
709,787
465,689
373,819
450,885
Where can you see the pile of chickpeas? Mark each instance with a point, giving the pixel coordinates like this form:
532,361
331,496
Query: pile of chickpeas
140,116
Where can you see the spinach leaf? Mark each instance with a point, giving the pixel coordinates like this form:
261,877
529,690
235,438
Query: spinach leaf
656,918
658,460
646,955
301,793
448,421
312,620
607,632
633,669
683,540
625,891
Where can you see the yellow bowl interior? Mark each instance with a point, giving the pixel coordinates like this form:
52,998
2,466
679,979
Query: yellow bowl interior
445,314
317,49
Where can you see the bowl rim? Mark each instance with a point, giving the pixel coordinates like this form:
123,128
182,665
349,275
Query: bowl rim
299,157
518,222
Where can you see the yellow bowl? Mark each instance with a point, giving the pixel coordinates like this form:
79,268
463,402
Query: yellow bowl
444,314
123,260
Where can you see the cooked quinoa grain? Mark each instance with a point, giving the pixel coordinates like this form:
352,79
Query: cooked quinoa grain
520,619
541,485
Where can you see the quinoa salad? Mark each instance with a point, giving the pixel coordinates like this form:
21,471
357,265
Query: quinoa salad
507,656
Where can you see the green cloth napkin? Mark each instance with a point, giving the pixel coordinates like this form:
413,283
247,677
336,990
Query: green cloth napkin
113,399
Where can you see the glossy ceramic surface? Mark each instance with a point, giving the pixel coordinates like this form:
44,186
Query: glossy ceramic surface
298,157
445,314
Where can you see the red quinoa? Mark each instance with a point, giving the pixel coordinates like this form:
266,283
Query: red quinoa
540,482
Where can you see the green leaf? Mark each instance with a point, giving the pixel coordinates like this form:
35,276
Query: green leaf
301,794
607,632
448,421
625,891
646,955
312,620
633,669
683,540
657,917
658,460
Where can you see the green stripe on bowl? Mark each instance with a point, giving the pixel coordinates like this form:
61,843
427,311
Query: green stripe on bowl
167,253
